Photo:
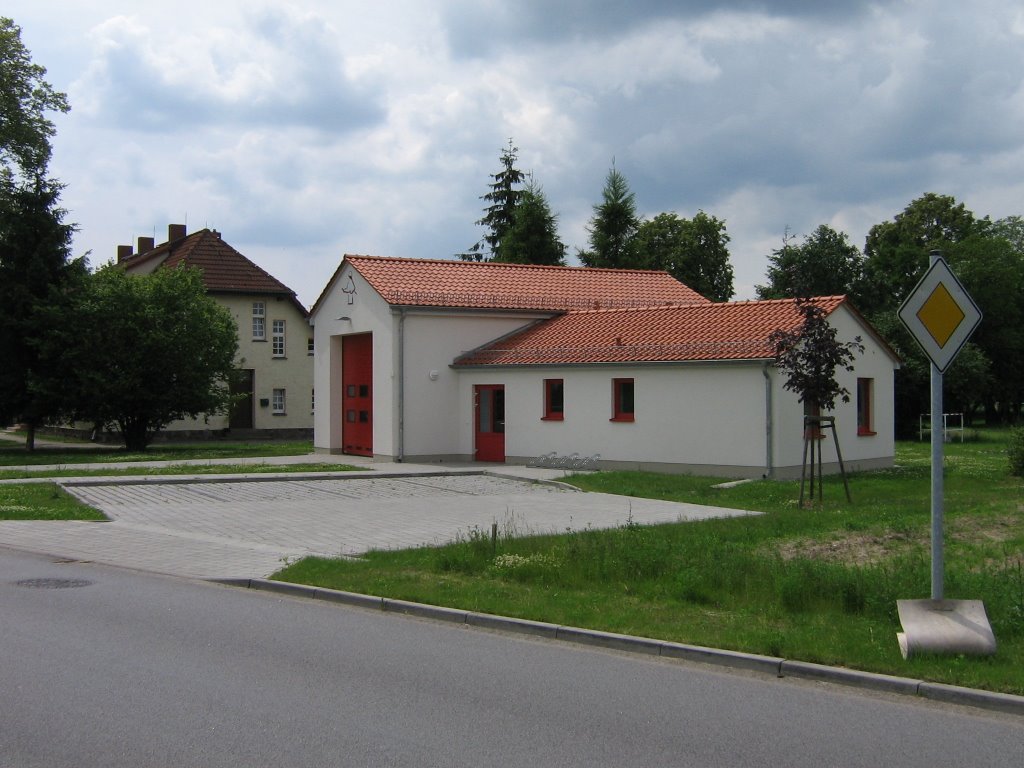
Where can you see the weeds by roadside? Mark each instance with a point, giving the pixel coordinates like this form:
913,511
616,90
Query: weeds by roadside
819,585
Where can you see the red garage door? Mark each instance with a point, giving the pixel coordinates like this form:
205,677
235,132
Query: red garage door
357,395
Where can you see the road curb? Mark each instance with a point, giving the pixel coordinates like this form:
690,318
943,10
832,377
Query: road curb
949,694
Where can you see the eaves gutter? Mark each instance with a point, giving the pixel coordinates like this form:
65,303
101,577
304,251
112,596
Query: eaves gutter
427,309
615,364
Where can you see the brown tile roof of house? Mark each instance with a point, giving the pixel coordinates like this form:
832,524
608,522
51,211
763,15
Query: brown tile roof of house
490,285
224,269
732,331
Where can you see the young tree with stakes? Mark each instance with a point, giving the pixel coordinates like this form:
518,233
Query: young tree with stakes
809,355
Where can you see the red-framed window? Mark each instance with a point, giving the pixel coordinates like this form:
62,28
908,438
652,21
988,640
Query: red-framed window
622,400
865,406
554,399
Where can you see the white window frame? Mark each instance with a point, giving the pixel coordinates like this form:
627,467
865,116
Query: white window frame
277,338
259,321
277,402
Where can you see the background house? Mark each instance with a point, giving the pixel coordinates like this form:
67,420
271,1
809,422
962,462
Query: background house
275,352
458,361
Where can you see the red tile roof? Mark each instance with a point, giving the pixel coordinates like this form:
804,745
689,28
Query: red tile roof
441,283
224,269
732,331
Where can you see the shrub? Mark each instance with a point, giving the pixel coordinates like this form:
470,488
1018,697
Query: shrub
1016,451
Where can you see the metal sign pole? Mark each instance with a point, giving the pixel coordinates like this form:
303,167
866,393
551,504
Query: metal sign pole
938,459
941,316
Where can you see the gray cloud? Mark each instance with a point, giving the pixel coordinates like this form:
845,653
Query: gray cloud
273,70
476,27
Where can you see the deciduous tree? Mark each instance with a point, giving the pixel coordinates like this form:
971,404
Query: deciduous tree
825,264
694,251
809,355
145,350
896,252
25,98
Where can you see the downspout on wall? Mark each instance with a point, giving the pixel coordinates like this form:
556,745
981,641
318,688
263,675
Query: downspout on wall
769,457
400,454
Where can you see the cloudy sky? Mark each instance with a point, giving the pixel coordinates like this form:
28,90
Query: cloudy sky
306,129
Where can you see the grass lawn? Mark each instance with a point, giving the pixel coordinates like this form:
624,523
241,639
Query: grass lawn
42,501
816,584
177,469
14,454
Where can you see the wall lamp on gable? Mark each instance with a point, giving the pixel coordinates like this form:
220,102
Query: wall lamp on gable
344,317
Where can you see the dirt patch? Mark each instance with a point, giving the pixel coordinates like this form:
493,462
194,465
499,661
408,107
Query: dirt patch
854,548
860,548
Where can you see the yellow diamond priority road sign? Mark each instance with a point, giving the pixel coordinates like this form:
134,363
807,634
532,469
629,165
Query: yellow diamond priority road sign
940,314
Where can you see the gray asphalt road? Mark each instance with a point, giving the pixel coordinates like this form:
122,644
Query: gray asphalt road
107,667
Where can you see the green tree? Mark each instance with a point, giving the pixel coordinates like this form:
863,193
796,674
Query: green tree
825,264
896,252
502,201
988,260
533,236
613,227
992,270
35,274
34,240
144,350
25,98
694,251
967,382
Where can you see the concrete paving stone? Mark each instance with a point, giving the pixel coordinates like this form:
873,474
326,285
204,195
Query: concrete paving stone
249,529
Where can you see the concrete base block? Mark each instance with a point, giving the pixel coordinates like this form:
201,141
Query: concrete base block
944,627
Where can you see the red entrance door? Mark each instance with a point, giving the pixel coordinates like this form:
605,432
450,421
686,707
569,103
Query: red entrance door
357,394
489,418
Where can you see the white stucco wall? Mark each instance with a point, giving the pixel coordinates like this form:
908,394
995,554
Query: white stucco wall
433,407
859,451
432,339
367,313
688,414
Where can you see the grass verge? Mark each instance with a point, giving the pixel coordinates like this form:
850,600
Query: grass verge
42,501
815,584
14,454
177,469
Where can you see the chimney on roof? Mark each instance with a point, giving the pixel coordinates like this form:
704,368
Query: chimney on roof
123,252
176,232
146,244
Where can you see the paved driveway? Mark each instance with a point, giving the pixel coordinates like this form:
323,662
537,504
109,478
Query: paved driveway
245,529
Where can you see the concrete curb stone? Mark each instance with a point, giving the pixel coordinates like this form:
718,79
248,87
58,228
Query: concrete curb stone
950,694
609,640
425,611
507,624
971,697
852,677
735,659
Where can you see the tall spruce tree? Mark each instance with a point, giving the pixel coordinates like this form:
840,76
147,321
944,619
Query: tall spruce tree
533,236
500,212
613,227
